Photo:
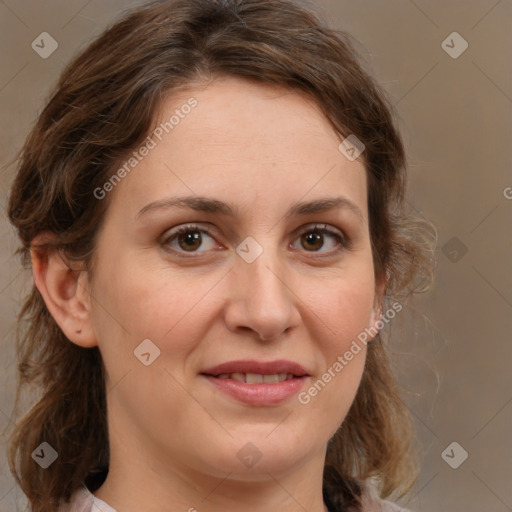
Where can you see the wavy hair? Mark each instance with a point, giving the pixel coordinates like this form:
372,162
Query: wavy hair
101,110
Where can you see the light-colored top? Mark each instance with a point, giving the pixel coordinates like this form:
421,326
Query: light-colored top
372,502
84,501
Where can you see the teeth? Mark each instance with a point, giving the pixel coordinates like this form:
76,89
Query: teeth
256,378
253,378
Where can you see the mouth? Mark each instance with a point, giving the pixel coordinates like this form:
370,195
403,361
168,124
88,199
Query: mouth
256,378
258,383
257,372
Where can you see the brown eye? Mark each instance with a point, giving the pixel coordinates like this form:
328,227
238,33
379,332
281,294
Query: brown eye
312,241
318,237
190,239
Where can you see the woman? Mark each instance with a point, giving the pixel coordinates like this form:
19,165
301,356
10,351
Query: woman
211,203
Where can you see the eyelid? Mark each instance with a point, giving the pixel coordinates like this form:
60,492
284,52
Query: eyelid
319,226
343,240
190,226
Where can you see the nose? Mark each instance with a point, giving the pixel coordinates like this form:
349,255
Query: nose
261,299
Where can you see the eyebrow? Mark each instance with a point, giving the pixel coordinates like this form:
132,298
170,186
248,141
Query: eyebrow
209,205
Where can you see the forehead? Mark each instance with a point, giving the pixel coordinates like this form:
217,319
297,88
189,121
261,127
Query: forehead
242,142
259,120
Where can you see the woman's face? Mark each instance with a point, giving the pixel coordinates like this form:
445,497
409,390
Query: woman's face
249,290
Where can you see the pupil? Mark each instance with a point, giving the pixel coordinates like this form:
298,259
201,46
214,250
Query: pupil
311,238
190,239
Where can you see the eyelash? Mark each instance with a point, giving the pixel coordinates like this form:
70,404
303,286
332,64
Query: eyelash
343,242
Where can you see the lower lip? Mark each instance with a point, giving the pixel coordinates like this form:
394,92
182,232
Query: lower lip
259,394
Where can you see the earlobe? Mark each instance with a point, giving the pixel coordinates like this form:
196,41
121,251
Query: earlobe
65,292
376,315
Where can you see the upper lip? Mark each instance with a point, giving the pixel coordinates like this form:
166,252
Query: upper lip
258,367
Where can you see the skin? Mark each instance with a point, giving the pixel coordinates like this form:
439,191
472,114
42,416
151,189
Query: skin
174,439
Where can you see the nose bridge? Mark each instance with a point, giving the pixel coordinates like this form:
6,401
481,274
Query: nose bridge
265,277
263,300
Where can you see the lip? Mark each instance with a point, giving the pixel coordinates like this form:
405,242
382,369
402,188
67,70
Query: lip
261,367
258,394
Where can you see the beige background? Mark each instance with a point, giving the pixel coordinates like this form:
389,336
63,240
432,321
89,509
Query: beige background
455,355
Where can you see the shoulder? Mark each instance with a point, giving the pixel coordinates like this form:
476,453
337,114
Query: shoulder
82,500
372,503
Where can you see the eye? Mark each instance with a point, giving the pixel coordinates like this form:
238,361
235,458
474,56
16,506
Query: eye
189,238
313,239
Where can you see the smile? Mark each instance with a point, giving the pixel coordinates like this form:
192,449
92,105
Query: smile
256,378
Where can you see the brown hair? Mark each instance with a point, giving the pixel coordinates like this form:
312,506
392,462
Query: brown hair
102,108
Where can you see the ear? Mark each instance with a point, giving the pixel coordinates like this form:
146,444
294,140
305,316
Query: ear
65,291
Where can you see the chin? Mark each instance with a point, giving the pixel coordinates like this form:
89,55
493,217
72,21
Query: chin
251,456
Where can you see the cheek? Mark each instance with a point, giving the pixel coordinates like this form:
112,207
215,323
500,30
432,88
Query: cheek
137,301
163,306
344,308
